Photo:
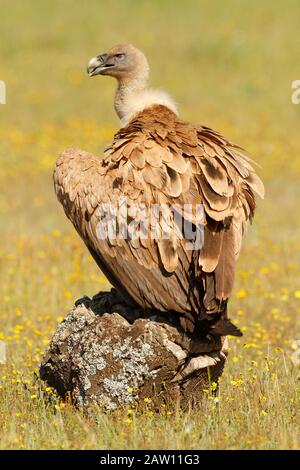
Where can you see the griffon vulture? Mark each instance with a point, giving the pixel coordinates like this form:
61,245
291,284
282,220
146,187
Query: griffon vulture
158,159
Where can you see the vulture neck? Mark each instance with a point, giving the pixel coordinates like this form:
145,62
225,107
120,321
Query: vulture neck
133,96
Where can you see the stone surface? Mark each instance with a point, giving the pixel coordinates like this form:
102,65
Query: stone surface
106,352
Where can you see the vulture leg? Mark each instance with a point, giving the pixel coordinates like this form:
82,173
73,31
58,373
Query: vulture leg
195,344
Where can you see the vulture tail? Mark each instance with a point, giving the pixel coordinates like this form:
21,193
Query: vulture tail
224,327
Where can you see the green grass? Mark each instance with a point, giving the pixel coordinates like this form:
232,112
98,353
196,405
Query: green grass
229,65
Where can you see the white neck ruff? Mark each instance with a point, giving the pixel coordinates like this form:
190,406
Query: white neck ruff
135,102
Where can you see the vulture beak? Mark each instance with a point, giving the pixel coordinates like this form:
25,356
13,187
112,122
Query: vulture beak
97,64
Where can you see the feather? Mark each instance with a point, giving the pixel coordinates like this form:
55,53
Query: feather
224,327
177,163
155,176
153,156
256,184
137,157
214,200
168,254
225,270
173,187
210,252
215,175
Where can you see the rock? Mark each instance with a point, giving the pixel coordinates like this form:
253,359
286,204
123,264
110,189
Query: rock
111,354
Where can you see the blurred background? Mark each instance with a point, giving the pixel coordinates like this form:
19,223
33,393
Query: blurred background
228,65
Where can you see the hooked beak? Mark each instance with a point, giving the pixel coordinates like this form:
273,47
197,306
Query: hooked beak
97,64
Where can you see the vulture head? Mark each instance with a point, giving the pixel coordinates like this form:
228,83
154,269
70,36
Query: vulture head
122,62
130,67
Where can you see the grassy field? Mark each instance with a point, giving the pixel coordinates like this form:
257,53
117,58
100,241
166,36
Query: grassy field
229,65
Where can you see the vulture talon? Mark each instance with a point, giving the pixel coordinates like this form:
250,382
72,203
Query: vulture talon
85,300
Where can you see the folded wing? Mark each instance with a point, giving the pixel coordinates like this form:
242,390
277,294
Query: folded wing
159,160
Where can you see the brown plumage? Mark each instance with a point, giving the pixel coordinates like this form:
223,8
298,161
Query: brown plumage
156,158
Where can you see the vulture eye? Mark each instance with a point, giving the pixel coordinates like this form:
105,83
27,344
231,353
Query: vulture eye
120,56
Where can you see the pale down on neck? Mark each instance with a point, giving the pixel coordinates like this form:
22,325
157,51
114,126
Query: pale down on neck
134,96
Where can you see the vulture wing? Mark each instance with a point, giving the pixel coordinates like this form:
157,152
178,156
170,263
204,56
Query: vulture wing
160,161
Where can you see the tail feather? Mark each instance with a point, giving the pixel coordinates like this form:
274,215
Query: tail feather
225,327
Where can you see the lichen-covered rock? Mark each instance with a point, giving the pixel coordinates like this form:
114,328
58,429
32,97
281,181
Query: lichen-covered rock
106,352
